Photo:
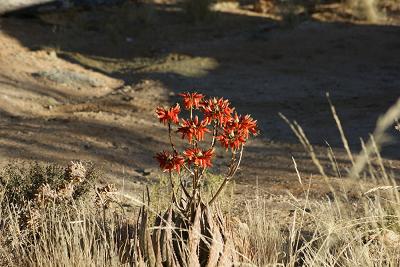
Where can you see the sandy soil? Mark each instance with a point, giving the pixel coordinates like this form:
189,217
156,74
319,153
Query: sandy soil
82,85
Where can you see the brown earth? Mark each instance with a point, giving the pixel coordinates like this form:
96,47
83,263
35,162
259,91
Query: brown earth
84,85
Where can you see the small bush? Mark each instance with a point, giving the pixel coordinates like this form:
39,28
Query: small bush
30,191
21,183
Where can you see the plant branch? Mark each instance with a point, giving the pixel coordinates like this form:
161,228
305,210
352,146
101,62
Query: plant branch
188,169
238,162
184,189
170,138
214,137
174,199
232,171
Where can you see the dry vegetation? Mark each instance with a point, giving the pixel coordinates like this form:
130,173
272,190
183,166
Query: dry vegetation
52,215
292,12
42,226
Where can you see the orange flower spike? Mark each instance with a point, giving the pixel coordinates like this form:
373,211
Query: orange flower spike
236,131
170,162
200,128
168,115
198,157
217,109
191,100
193,128
232,139
248,125
234,122
186,130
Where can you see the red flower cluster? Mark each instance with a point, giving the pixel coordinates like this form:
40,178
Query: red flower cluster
193,128
217,109
168,115
192,100
170,162
237,131
199,157
230,129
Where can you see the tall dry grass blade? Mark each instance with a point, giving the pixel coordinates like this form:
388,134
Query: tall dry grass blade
298,131
371,169
297,171
333,160
380,160
384,187
384,122
341,131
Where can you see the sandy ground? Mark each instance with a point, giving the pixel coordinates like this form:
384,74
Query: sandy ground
84,86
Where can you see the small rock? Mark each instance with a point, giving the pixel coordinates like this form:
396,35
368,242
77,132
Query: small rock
144,172
52,54
87,146
126,88
127,98
147,172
